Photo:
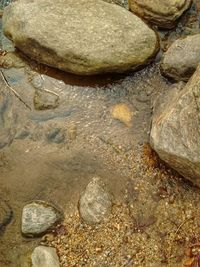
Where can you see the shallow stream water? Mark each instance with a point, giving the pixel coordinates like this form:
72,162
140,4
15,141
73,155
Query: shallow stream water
52,154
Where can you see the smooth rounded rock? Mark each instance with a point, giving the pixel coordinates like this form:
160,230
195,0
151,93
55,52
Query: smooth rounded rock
45,257
162,13
38,217
83,37
95,203
182,58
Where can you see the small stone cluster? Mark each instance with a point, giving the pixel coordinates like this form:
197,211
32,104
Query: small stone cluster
39,217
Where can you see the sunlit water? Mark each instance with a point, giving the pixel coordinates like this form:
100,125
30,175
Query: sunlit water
54,153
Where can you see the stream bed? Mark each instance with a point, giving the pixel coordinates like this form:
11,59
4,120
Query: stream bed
93,126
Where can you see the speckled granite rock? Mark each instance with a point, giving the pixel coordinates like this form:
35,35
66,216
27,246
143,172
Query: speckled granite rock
45,257
182,58
83,37
95,203
175,133
160,12
38,217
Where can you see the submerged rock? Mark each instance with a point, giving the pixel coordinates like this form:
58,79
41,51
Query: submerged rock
45,257
11,60
8,117
162,13
6,214
123,113
182,58
44,99
95,203
83,37
56,134
38,217
175,133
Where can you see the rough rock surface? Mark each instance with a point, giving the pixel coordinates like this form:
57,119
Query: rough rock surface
160,12
45,257
95,203
182,58
38,217
176,129
92,37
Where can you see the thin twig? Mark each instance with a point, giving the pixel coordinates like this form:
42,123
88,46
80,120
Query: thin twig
130,261
13,90
46,90
174,237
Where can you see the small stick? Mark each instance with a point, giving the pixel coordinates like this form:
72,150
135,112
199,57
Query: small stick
13,90
175,234
46,90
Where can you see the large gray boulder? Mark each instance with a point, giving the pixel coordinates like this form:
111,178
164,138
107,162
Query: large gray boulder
182,58
175,133
45,257
83,37
38,217
162,13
